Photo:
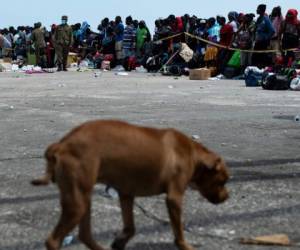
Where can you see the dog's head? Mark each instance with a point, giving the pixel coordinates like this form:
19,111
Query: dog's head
210,176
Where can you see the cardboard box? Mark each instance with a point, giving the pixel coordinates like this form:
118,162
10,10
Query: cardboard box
72,58
200,74
7,59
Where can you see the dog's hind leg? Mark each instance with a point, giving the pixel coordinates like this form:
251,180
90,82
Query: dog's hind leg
85,234
74,203
126,203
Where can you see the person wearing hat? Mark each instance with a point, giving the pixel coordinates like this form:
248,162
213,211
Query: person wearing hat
38,40
63,38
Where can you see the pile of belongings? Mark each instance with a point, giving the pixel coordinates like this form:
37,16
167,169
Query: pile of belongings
273,79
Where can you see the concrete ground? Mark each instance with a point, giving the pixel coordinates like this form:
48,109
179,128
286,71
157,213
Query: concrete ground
254,130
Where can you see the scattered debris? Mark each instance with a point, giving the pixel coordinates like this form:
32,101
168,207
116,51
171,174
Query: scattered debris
111,193
141,69
62,104
195,137
232,232
119,68
276,239
68,240
14,67
97,74
297,118
121,74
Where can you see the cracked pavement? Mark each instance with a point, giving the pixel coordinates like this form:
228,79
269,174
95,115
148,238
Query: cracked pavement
254,130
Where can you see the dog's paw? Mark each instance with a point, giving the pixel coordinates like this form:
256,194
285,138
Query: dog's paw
118,245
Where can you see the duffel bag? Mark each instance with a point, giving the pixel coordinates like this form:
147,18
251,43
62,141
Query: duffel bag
276,82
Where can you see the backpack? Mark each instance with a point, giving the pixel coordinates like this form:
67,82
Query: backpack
253,76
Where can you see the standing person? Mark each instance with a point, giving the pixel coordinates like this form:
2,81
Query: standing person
213,32
244,39
20,44
233,20
289,35
5,45
264,31
129,40
276,19
38,39
119,33
143,36
50,48
226,37
63,38
201,32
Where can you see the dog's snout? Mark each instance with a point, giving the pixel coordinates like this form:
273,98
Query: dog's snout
224,195
220,197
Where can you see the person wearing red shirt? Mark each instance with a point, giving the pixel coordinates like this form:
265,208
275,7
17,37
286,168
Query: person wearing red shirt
226,37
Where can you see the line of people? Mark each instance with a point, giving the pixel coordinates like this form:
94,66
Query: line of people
130,44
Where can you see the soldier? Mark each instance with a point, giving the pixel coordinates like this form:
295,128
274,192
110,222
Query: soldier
63,39
38,39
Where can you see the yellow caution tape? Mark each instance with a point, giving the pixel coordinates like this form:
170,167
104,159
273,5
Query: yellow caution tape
236,49
169,37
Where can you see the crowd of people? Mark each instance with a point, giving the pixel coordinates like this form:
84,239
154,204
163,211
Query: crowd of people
130,44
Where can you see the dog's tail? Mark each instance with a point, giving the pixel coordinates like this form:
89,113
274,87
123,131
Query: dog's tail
51,157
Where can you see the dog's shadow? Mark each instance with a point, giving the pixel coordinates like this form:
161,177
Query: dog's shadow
152,246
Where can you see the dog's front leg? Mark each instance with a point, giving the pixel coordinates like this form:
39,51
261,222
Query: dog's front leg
174,204
126,203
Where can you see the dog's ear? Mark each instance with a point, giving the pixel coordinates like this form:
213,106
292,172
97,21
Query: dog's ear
214,164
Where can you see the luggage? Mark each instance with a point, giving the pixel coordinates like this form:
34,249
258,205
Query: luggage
235,60
295,84
273,81
31,60
231,72
130,63
253,76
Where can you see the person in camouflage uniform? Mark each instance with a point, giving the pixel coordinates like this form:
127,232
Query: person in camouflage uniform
38,39
63,38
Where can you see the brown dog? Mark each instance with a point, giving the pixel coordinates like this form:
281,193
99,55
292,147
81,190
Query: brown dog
136,161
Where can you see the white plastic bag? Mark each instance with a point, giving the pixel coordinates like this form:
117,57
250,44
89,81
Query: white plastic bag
295,84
